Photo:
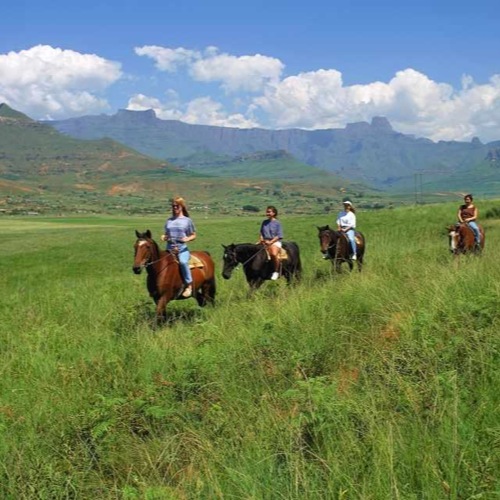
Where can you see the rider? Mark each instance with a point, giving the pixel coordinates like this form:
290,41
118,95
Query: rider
467,214
271,234
179,230
346,223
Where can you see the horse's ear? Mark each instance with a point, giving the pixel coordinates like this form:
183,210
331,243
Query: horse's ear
327,226
137,234
224,246
148,234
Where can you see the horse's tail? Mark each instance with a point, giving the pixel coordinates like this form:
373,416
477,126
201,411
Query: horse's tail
293,249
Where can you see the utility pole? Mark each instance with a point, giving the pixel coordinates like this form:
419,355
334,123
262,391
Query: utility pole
419,183
419,192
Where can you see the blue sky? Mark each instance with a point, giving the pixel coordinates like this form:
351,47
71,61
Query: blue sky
431,67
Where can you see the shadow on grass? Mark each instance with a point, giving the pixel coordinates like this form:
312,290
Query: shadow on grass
142,315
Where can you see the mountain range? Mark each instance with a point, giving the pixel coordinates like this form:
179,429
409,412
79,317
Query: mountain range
42,167
370,153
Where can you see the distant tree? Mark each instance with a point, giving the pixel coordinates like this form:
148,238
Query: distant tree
250,208
493,213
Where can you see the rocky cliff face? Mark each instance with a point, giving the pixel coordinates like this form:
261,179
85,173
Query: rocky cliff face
369,152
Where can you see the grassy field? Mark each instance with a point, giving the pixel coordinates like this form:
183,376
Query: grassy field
377,385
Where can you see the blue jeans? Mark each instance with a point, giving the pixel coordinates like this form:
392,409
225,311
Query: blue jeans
183,257
351,235
473,225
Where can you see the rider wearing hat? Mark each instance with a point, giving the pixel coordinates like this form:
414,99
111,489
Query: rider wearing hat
346,223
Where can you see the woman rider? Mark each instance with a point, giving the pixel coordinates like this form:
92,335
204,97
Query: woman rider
346,223
271,234
179,230
467,214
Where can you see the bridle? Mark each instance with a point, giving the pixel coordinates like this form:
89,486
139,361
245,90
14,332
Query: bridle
152,262
234,258
329,233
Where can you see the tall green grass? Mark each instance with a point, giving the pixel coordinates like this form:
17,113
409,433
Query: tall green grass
376,385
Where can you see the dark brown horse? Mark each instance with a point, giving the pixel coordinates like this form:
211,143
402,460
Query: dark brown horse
256,263
164,280
462,240
335,246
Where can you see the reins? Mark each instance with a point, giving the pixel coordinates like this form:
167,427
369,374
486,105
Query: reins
243,264
336,245
148,264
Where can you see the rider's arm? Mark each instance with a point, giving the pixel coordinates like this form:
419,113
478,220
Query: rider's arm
474,217
191,237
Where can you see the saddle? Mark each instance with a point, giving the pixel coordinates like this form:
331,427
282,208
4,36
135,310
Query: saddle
195,262
282,254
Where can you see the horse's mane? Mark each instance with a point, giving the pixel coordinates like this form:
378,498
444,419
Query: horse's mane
156,247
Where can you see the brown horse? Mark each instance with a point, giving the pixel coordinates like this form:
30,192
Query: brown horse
336,247
462,240
164,280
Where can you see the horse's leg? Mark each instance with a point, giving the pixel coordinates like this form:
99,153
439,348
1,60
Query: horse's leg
336,264
207,293
161,312
255,283
360,262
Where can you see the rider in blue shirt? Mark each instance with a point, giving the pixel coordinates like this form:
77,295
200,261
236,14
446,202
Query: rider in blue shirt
271,234
179,230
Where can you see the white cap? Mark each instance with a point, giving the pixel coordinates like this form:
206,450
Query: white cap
347,202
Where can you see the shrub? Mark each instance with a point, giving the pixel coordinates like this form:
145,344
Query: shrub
250,208
493,213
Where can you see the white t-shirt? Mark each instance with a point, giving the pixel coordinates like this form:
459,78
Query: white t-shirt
346,219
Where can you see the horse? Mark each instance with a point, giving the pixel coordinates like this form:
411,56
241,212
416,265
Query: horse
257,265
462,240
335,245
164,281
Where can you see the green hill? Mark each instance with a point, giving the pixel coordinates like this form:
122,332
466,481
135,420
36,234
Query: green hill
371,153
42,169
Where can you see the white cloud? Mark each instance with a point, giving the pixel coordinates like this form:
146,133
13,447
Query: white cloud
247,73
168,59
166,111
200,111
412,102
206,111
244,73
48,82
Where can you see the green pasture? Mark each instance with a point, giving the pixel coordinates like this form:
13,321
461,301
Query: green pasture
377,385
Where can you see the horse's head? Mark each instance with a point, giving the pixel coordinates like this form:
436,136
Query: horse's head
144,248
454,237
325,235
230,260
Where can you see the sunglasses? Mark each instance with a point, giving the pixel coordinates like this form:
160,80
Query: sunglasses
175,206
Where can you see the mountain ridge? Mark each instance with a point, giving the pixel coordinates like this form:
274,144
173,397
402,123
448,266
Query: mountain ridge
43,169
372,153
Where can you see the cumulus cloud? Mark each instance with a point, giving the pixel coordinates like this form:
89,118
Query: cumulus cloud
167,59
248,73
199,111
48,82
250,91
412,102
244,73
